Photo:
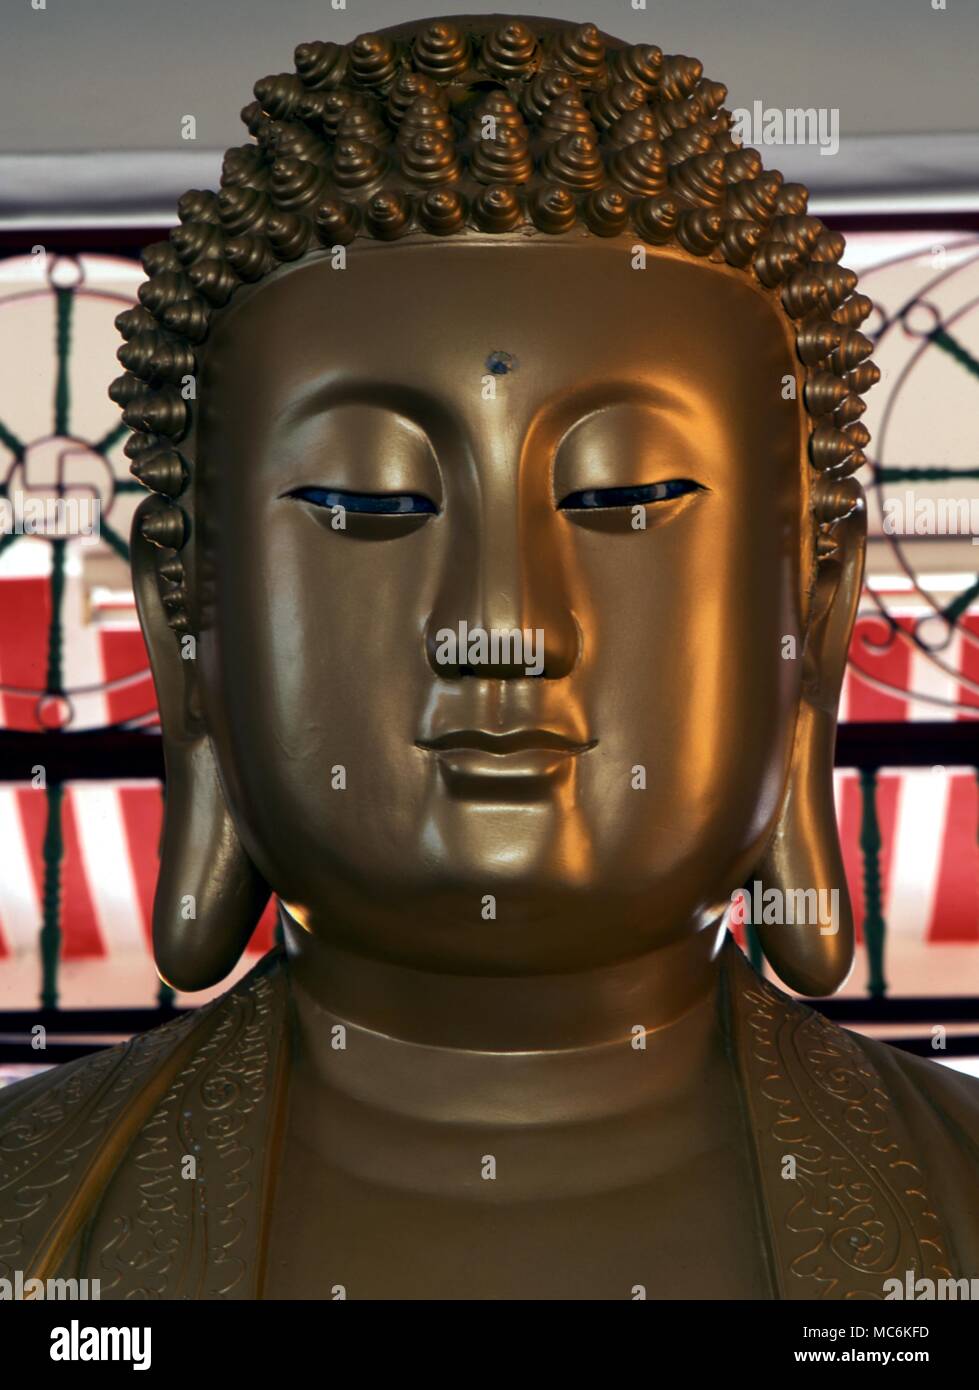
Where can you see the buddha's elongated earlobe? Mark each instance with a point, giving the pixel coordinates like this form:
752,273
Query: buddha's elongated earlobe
815,957
209,895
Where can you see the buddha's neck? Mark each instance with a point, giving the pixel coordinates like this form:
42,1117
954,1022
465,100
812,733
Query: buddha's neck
494,1049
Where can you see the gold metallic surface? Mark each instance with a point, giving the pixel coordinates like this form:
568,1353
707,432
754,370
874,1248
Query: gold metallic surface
510,1049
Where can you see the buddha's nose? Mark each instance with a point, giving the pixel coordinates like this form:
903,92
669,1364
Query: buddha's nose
507,576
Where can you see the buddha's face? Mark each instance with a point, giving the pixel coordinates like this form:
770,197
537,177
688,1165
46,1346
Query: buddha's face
477,805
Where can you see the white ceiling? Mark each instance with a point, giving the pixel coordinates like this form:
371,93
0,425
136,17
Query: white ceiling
119,74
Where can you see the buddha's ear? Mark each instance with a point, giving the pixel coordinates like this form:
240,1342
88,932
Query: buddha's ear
804,851
209,896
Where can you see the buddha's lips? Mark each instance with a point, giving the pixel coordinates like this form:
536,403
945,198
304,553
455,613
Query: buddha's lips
521,763
513,741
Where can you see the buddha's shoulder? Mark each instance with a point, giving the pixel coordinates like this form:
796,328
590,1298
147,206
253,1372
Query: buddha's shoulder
860,1079
116,1073
924,1090
951,1094
65,1131
920,1120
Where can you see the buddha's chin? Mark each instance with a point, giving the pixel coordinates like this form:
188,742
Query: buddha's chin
471,775
520,834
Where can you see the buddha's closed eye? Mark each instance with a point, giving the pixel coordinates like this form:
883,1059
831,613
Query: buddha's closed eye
367,503
591,498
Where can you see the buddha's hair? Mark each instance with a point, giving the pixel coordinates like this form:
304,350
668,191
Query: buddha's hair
491,126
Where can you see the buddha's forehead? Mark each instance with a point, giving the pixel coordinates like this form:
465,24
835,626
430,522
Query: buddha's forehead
554,322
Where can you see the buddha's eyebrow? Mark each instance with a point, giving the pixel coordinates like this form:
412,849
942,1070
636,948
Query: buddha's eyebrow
423,409
572,408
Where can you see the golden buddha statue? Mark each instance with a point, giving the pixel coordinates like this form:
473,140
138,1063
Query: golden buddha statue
498,578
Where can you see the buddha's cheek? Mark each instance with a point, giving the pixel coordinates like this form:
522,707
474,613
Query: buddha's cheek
315,692
687,688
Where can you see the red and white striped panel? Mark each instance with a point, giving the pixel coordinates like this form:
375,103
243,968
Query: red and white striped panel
111,830
928,817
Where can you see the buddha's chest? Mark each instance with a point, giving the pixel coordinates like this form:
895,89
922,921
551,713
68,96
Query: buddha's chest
685,1234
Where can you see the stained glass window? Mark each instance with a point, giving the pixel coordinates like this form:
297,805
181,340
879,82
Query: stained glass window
78,859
